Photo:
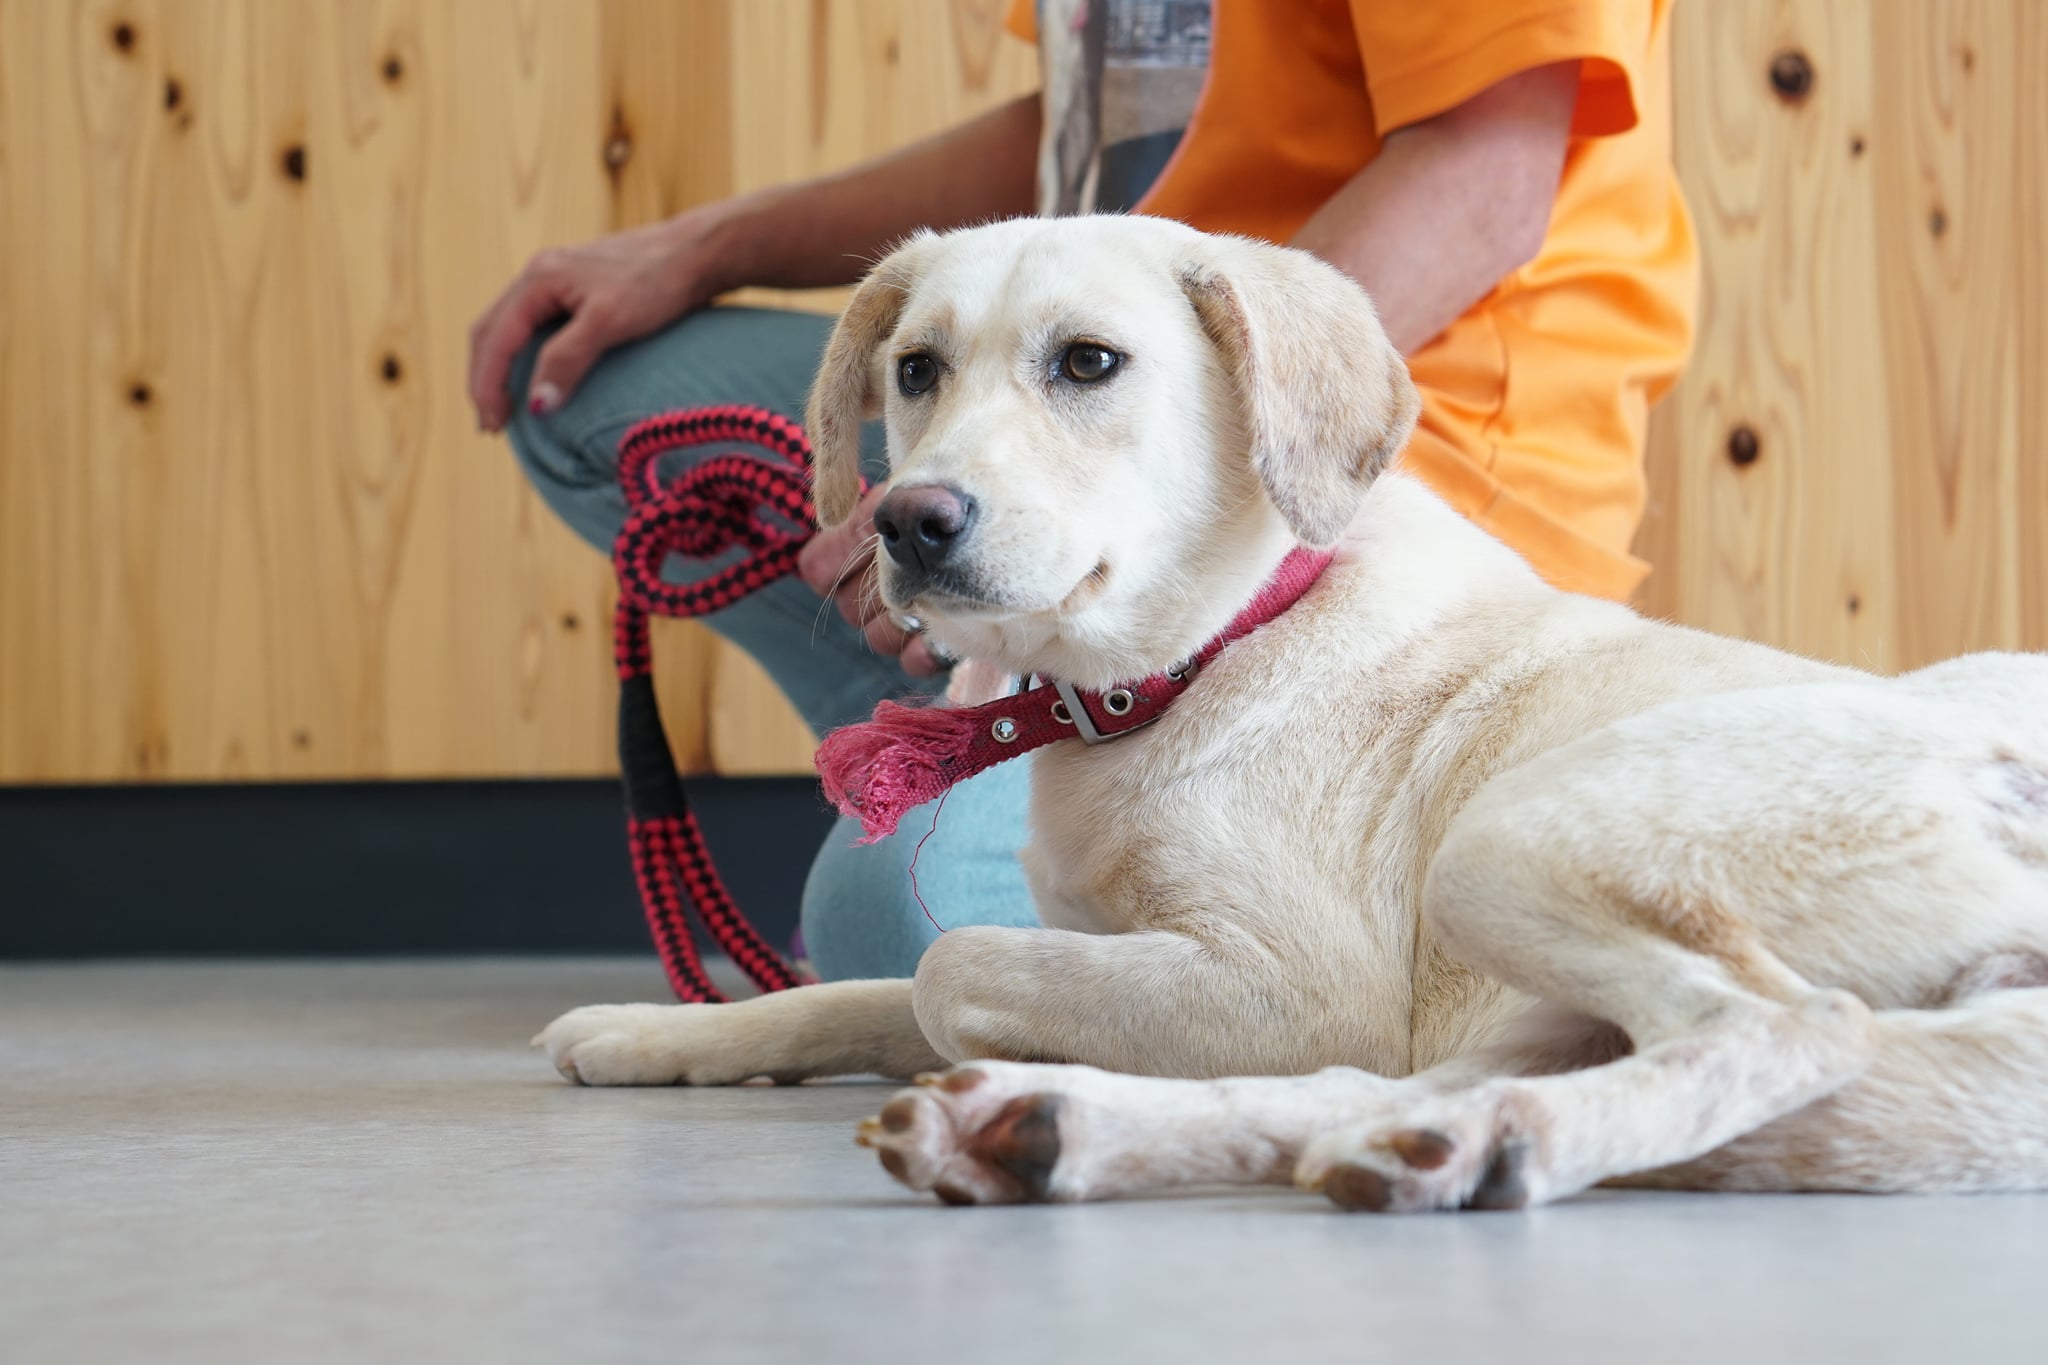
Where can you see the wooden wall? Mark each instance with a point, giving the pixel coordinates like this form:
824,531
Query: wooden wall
1855,465
248,531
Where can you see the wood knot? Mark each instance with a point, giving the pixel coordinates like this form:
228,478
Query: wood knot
1937,221
893,52
174,93
393,69
571,621
1743,445
391,369
1854,604
302,739
618,150
122,35
1856,145
293,163
140,394
1792,75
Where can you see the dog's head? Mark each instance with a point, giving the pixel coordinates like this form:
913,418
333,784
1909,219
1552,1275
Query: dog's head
1103,432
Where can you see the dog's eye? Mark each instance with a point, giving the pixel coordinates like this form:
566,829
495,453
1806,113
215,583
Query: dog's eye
915,374
1085,362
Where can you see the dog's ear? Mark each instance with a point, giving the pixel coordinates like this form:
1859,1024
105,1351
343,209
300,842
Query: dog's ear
1327,400
844,395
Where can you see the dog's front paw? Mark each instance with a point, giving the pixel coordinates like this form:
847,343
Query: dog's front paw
1454,1152
651,1045
979,1134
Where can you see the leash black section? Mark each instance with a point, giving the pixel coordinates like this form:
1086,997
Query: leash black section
653,789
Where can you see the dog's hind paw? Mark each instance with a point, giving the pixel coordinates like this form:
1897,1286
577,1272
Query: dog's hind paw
978,1134
1456,1152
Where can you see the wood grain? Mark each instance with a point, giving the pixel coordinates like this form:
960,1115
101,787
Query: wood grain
1874,311
247,529
250,531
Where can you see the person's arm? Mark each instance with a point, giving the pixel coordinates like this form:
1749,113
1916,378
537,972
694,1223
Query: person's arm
1452,204
818,233
828,231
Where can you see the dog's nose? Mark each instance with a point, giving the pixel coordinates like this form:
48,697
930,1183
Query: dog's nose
920,526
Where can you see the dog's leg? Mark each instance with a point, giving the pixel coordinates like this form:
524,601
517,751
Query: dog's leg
1153,1003
1014,1132
1956,1100
840,1028
1004,1132
1150,1002
1511,1143
1662,873
1726,1036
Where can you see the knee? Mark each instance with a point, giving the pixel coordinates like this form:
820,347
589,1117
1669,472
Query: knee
859,920
862,916
552,456
575,474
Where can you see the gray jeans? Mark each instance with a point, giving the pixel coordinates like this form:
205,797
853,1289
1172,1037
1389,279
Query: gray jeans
859,916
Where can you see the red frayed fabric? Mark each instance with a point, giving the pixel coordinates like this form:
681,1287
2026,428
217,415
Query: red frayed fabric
880,771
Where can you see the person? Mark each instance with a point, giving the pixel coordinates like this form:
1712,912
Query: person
1496,173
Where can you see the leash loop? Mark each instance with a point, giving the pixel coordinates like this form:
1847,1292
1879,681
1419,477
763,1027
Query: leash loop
726,503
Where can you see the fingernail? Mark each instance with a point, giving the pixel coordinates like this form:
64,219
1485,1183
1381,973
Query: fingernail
544,399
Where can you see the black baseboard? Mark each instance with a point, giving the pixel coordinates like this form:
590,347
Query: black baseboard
370,868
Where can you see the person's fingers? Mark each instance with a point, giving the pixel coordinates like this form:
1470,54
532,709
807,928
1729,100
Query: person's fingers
568,356
857,601
828,559
884,636
918,659
498,337
840,555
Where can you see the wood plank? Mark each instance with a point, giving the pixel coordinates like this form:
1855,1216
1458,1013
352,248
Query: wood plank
2027,188
1874,290
1792,548
267,543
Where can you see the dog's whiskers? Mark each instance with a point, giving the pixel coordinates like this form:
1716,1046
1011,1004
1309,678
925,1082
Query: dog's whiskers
860,557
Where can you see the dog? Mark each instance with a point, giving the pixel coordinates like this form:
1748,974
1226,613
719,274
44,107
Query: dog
1444,889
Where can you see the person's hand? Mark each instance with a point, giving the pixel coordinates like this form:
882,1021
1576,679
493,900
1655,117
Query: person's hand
838,564
613,290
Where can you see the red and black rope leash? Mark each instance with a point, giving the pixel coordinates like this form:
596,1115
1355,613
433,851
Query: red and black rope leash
725,501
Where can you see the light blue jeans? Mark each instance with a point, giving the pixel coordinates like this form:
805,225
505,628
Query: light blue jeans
859,917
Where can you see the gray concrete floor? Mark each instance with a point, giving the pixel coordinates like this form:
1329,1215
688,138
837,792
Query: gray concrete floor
363,1162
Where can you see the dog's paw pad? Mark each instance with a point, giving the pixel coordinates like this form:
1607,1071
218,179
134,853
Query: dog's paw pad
968,1138
1457,1161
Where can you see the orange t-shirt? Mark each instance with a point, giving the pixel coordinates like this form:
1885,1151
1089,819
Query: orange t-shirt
1535,401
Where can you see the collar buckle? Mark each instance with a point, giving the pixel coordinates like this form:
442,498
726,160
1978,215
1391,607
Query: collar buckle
1069,710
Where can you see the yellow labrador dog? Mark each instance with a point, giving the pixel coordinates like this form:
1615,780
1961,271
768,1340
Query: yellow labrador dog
1483,891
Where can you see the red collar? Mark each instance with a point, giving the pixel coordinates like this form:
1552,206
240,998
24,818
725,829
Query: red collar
909,755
